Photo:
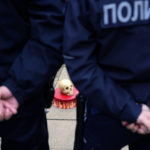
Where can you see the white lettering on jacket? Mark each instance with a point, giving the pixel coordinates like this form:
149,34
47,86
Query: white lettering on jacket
125,12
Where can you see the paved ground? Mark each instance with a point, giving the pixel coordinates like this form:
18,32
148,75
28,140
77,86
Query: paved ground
61,122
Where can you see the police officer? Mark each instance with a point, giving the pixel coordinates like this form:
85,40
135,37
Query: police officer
30,44
107,52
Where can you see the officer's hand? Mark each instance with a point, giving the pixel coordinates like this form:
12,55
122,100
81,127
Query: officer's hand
2,110
144,120
8,104
142,126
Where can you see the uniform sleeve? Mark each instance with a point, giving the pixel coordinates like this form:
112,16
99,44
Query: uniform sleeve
41,56
80,57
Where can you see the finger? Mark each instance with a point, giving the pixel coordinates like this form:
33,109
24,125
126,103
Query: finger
125,123
138,125
142,130
7,114
1,111
12,109
13,102
146,125
133,127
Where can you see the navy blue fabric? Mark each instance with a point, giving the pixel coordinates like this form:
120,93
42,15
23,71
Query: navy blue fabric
104,132
28,133
141,144
108,60
30,48
30,54
108,64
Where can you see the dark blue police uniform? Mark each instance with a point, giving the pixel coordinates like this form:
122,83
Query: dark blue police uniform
107,52
30,54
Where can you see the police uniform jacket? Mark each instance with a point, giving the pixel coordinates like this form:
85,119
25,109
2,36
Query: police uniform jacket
107,51
30,44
